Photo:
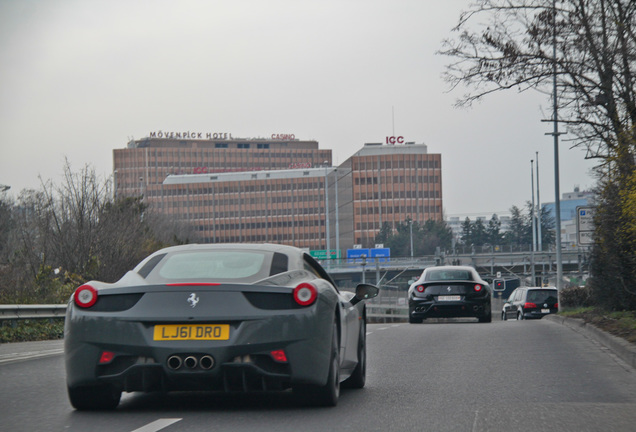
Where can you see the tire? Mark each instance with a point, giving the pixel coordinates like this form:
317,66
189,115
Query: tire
358,377
504,317
326,395
415,320
102,397
486,319
519,316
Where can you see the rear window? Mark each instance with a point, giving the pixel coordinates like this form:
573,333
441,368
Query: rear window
444,275
540,296
215,265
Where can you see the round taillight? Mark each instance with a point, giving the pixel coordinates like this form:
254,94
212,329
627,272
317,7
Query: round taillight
85,296
305,294
478,288
420,288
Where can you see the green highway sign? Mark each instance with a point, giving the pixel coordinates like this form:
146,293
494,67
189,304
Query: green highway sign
321,254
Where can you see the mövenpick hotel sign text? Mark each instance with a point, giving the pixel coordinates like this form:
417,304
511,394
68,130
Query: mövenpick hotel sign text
191,135
211,135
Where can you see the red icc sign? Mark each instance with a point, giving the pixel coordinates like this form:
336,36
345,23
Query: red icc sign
394,140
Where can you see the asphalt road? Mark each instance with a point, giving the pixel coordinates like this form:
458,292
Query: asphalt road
462,376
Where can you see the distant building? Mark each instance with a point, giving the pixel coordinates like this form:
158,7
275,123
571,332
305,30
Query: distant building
391,183
141,168
568,204
273,190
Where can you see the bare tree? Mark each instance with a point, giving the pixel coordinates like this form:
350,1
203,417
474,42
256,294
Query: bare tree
73,209
508,44
589,48
72,232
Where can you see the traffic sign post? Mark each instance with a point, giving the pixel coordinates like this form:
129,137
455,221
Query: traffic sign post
585,225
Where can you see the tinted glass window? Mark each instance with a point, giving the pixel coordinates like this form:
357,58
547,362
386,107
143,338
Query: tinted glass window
514,295
540,296
150,265
279,264
221,264
442,275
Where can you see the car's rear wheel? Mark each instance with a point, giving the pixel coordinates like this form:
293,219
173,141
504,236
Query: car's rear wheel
415,320
100,397
358,377
328,394
486,319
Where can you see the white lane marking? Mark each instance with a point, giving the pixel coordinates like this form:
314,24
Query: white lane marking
475,421
157,425
13,357
384,328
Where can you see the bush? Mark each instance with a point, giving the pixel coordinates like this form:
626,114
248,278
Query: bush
575,297
31,330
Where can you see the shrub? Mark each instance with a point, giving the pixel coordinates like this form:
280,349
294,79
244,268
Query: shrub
575,297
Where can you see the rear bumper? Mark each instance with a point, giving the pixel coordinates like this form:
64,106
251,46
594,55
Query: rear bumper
242,363
228,377
537,314
473,308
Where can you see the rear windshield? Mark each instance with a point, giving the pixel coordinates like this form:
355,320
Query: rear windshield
215,265
540,296
443,275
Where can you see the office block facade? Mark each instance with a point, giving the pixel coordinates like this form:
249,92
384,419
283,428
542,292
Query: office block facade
281,191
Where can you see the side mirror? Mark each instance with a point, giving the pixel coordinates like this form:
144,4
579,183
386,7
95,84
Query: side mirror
365,292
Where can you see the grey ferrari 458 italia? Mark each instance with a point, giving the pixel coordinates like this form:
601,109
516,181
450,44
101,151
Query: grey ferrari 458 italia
233,318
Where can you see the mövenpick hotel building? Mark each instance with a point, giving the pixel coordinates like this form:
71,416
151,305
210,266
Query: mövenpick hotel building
276,189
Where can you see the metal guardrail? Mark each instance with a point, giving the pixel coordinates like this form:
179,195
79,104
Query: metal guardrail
375,312
18,312
382,313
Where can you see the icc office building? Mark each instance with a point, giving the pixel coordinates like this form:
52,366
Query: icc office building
280,189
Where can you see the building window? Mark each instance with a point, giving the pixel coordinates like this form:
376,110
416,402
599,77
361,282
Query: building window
220,145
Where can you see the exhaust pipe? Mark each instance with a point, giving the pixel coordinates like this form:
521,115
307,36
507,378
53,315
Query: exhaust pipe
206,362
174,362
190,362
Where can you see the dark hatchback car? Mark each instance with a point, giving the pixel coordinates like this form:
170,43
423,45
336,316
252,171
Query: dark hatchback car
531,302
449,292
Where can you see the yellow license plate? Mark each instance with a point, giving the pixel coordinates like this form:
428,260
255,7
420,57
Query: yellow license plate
192,332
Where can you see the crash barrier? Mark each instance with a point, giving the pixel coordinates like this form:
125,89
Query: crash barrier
20,312
376,313
386,313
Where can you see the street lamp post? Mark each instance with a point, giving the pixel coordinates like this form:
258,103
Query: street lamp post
364,263
327,231
337,217
539,245
532,215
411,232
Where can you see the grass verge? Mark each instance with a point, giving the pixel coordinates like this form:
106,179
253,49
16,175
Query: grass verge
621,324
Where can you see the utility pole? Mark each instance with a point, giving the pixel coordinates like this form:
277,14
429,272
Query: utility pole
555,134
539,245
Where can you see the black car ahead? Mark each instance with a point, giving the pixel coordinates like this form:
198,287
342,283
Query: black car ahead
531,302
450,292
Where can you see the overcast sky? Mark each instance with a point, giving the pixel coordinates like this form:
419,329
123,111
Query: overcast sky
79,78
